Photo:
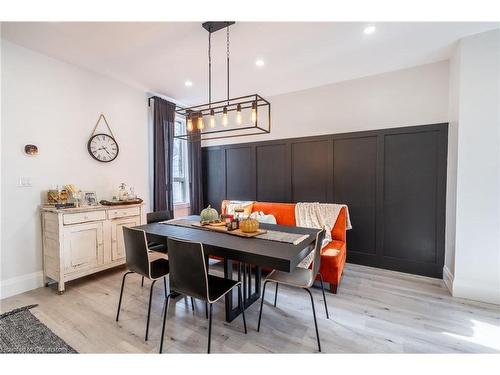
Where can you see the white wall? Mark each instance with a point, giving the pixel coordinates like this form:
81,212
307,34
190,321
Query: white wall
55,105
1,174
451,183
414,96
477,242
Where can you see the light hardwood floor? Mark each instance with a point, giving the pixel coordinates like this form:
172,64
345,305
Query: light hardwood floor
375,311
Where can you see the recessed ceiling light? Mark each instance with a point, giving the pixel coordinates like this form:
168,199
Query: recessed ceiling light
259,62
188,83
369,30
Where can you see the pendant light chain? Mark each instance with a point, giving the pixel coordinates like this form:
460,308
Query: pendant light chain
227,54
209,68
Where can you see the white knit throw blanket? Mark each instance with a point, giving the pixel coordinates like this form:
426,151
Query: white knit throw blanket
318,215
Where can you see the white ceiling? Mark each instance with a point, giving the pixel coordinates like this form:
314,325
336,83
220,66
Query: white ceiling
160,57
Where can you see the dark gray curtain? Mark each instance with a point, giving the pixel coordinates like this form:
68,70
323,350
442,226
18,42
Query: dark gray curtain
163,133
195,174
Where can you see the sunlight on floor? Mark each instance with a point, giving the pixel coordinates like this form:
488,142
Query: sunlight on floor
485,334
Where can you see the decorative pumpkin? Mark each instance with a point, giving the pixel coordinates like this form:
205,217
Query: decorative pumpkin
209,214
249,225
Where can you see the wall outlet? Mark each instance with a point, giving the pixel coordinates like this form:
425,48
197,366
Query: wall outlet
24,181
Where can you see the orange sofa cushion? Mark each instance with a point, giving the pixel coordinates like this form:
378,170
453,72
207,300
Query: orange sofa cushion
283,212
339,229
333,257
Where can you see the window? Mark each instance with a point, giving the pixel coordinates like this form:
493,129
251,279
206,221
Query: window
180,166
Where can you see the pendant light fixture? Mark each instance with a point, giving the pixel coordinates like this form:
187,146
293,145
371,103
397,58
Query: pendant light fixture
252,112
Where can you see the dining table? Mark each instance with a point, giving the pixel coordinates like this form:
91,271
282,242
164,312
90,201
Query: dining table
244,258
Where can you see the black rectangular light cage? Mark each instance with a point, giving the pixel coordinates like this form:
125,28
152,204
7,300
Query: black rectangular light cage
254,118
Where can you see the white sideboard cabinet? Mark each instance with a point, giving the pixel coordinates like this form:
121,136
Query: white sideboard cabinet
81,241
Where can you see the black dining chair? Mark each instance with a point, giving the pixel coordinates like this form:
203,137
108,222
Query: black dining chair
156,217
299,278
138,261
189,276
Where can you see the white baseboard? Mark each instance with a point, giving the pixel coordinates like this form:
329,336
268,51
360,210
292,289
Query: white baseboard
477,291
448,279
20,284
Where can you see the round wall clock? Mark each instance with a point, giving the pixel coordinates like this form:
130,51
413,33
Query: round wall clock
103,148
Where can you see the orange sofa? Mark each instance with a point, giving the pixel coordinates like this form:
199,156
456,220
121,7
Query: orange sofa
333,256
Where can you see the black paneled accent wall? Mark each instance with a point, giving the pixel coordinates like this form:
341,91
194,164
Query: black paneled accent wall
393,180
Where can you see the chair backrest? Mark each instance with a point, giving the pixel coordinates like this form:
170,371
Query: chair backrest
136,251
188,271
157,216
317,252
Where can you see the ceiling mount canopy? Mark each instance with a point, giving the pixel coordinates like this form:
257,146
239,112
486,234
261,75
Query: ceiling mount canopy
231,117
213,26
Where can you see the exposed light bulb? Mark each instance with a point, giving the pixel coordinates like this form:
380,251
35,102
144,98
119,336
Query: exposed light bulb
201,125
212,118
224,116
238,114
189,124
254,112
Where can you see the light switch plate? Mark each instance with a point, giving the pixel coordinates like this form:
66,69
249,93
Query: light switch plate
24,181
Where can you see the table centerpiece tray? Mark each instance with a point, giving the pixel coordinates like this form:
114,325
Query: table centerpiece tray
234,232
120,203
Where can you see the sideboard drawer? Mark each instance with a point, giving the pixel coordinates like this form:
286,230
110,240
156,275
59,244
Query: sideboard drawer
123,212
83,217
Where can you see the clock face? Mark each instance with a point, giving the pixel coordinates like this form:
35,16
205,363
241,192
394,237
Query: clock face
103,147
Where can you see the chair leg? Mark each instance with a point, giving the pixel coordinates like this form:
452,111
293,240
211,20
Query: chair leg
276,295
142,282
165,285
121,294
314,315
192,304
165,312
324,297
206,309
262,303
149,309
209,328
242,308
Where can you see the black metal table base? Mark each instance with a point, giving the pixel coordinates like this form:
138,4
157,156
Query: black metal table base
250,276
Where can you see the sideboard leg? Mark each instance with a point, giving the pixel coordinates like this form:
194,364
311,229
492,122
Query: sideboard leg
60,287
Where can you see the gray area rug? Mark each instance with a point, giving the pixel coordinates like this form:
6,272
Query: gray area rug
22,332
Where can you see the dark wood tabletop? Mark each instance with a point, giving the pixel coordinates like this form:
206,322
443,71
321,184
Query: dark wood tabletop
269,254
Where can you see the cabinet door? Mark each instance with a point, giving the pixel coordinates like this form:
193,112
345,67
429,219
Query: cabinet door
117,243
83,246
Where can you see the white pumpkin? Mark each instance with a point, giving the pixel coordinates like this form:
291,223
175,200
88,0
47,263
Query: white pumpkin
209,214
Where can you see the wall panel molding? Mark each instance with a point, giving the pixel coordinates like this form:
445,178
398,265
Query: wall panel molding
393,180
